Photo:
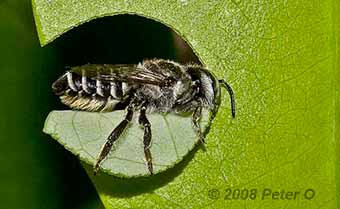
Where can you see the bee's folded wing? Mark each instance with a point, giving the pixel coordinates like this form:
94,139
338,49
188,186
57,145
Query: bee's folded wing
129,73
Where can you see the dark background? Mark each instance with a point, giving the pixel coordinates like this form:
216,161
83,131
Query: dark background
35,171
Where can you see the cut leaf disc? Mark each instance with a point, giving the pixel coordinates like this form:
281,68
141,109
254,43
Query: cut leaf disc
84,133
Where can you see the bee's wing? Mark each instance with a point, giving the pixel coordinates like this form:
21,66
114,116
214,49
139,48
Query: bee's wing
129,73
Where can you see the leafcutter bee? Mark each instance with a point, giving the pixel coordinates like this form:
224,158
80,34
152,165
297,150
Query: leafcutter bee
155,85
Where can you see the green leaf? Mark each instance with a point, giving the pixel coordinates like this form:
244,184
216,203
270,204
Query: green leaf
279,58
84,134
32,173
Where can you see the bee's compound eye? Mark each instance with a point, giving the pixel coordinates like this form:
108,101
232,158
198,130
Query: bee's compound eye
60,85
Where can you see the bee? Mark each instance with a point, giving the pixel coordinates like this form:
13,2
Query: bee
152,86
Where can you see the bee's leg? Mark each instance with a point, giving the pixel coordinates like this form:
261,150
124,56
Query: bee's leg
113,137
196,117
146,138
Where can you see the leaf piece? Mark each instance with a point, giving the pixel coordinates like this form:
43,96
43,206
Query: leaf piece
84,133
279,57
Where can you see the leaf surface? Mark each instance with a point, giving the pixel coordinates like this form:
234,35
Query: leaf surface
84,134
279,58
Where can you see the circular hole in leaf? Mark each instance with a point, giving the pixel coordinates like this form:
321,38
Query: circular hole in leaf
116,40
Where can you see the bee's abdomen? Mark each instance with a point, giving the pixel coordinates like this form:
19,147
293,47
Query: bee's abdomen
91,94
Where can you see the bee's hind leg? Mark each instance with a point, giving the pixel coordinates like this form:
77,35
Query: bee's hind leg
196,117
113,137
146,138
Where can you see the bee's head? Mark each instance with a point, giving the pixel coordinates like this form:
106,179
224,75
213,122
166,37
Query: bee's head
208,88
60,86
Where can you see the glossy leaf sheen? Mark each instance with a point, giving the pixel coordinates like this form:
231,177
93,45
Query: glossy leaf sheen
279,58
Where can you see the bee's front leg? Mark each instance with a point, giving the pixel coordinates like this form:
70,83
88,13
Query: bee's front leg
196,117
146,138
113,137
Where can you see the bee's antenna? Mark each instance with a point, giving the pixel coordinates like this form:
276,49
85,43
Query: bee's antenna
231,94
